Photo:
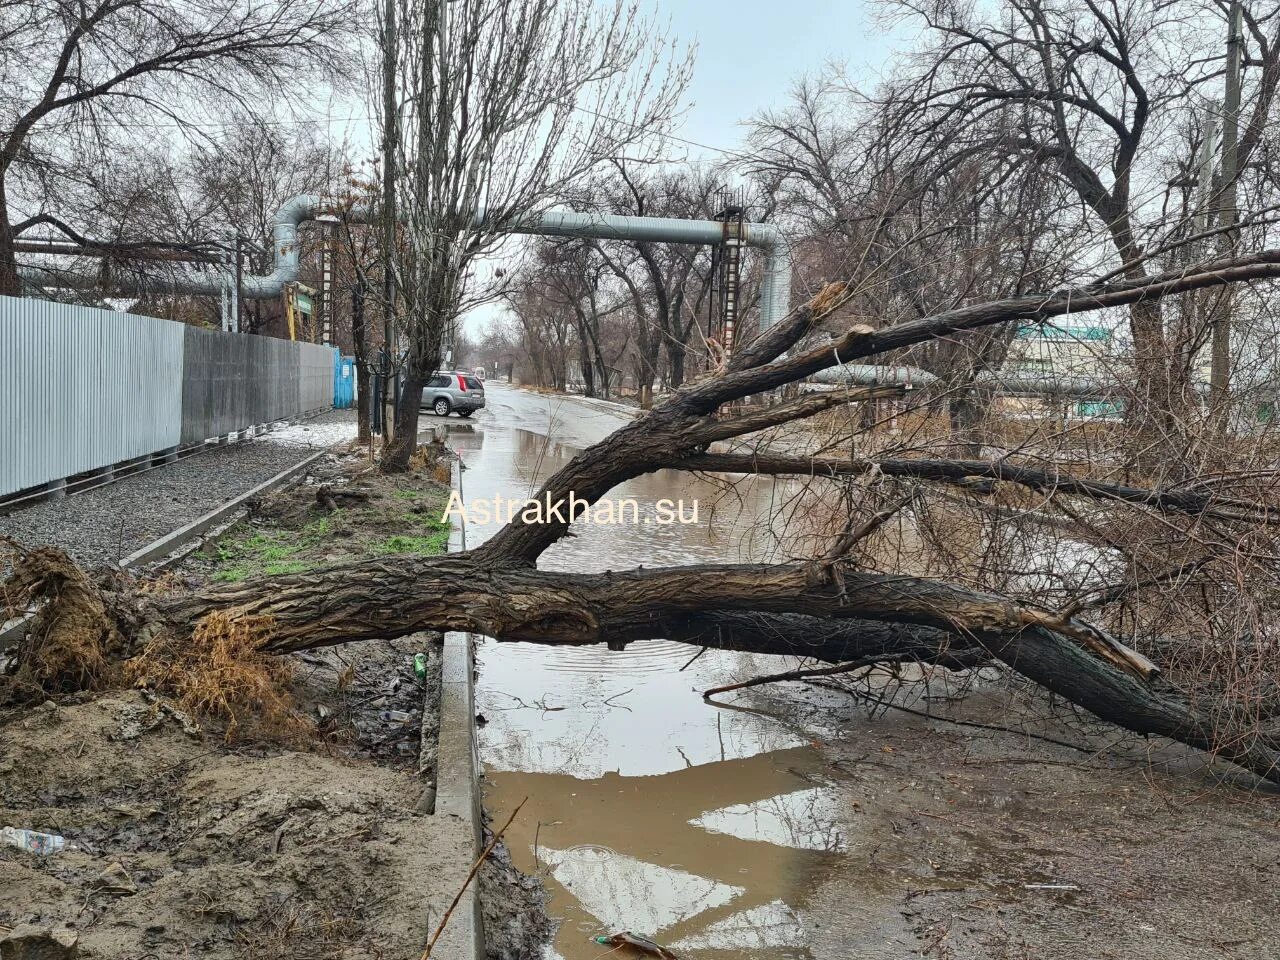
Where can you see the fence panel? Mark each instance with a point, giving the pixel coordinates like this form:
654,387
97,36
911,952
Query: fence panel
316,385
232,381
82,388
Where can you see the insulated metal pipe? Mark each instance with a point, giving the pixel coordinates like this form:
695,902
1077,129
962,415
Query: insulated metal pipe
285,255
775,293
1006,381
775,288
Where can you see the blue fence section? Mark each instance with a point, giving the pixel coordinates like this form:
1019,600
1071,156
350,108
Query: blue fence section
344,382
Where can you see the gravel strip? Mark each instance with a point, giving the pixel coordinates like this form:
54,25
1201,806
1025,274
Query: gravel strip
102,525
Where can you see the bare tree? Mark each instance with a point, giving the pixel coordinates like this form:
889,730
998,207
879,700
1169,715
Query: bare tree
505,103
81,78
242,178
674,279
1093,94
915,234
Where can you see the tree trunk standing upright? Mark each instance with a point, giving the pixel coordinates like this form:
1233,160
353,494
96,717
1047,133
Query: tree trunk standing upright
487,120
396,455
390,144
1229,214
364,372
10,284
584,355
675,361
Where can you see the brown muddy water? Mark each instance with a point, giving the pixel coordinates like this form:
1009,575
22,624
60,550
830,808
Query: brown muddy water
648,809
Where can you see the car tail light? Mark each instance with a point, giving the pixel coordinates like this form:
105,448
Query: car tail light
462,383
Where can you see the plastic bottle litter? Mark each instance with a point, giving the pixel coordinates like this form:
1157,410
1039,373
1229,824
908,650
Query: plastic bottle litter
420,666
393,716
643,944
32,841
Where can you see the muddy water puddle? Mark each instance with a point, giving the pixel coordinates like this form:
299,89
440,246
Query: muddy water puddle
648,810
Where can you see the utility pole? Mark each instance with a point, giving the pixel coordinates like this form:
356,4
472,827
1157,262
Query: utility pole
390,140
1220,359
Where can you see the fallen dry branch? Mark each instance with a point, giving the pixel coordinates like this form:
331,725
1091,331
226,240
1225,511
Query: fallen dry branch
789,675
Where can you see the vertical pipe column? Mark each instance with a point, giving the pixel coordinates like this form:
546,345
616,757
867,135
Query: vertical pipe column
775,287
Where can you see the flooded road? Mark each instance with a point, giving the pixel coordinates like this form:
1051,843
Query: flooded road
727,833
648,810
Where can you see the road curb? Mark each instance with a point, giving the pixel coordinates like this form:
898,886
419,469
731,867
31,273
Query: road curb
457,788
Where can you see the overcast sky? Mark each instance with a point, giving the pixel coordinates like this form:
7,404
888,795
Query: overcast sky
749,52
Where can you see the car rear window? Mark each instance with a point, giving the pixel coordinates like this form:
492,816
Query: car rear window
438,382
474,383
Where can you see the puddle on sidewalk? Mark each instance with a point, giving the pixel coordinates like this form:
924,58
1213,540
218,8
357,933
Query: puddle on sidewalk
648,809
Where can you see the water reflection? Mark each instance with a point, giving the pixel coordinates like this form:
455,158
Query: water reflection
806,819
648,809
587,711
622,892
771,925
634,852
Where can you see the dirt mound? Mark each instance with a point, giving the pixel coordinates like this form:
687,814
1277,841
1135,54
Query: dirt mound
178,846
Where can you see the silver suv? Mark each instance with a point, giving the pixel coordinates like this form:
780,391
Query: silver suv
460,393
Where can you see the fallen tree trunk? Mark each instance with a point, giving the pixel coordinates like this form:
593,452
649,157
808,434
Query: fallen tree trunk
385,600
771,609
824,609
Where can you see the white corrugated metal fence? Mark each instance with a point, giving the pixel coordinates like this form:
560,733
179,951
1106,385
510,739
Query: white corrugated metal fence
83,388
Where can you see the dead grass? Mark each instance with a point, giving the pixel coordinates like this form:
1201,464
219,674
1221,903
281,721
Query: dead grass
429,457
221,673
299,931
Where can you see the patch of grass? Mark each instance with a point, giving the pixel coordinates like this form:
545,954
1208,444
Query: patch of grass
274,552
407,521
429,519
232,574
320,528
288,566
430,545
277,552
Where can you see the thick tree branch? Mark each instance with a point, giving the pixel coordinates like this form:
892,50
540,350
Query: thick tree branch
671,428
801,408
859,343
769,609
1050,480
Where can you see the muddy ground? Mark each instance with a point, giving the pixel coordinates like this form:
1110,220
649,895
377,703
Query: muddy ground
310,836
969,843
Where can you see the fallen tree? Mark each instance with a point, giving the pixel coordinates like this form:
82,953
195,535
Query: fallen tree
830,607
